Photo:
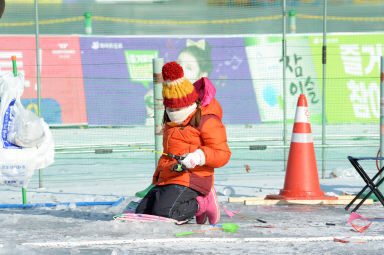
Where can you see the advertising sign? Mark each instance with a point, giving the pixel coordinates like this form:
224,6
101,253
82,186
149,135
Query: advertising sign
118,71
353,71
62,92
109,81
266,65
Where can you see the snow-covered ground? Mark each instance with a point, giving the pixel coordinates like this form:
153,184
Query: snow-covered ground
298,229
88,177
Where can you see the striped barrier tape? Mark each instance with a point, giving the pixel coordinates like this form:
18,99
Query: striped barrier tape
164,22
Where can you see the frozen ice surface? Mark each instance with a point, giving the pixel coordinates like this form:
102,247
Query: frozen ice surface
298,229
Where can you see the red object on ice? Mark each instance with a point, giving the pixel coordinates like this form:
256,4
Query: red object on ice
346,241
356,216
229,213
340,240
361,229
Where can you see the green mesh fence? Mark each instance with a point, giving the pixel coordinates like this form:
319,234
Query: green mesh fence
94,53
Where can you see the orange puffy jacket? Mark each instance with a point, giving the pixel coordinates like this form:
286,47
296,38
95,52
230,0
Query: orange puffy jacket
210,137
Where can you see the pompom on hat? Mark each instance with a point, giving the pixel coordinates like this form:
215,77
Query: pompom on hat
178,91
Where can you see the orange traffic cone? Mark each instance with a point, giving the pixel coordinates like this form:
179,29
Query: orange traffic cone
301,178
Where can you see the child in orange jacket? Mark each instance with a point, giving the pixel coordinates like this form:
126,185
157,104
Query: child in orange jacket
193,129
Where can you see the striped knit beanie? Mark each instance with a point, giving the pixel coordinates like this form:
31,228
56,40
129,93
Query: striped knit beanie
178,91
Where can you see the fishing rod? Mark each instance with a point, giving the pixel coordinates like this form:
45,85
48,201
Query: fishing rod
176,167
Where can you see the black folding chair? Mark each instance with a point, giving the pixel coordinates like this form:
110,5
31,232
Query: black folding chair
374,187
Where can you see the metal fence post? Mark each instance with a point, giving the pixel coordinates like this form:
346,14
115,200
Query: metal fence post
284,53
38,62
323,120
14,69
88,23
381,109
292,21
158,105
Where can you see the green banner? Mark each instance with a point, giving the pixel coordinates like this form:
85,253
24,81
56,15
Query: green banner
352,76
140,65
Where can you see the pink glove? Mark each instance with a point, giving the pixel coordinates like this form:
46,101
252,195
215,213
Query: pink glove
196,158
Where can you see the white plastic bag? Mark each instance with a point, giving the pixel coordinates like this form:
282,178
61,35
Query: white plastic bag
26,128
26,141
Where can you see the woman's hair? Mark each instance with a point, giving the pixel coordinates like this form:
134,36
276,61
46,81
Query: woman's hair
194,121
203,56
